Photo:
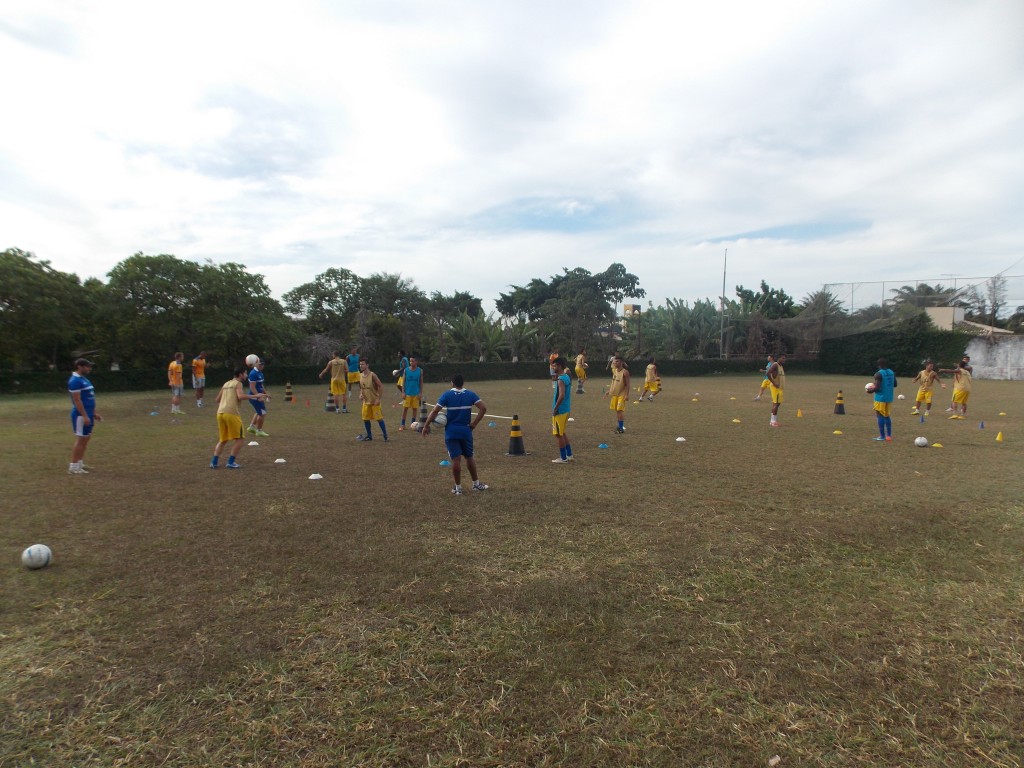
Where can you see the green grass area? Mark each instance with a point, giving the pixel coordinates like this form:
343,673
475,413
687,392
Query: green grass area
747,593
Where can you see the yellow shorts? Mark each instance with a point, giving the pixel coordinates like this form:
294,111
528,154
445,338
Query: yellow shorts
558,424
372,412
411,401
883,409
229,427
337,387
776,393
618,403
652,386
353,377
961,397
924,396
765,383
401,380
581,374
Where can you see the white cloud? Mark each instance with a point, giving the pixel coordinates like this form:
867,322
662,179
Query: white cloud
473,146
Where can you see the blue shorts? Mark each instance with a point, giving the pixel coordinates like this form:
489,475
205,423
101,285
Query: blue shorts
78,425
258,406
458,445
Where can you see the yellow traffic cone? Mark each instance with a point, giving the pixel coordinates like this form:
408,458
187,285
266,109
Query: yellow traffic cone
799,413
999,437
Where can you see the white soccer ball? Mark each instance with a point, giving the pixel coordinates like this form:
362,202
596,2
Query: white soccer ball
416,427
251,360
395,372
901,397
869,387
921,442
36,556
441,419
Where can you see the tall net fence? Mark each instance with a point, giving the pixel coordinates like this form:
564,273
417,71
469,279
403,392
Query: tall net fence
884,293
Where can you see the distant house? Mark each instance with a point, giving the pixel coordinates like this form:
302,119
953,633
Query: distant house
952,319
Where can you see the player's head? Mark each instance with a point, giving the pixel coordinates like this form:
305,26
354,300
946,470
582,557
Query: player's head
782,357
82,363
201,355
337,353
241,373
364,364
179,356
413,361
929,364
559,363
458,381
650,360
882,363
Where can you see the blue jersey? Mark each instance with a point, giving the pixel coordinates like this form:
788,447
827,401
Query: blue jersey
564,407
413,384
352,361
884,395
403,365
459,403
80,384
255,381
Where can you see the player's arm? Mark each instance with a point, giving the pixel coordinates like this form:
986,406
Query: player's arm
481,409
425,429
377,386
560,398
625,381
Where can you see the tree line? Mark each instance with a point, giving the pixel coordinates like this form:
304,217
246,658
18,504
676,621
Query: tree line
153,305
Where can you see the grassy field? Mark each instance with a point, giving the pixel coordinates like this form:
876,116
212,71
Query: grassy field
746,594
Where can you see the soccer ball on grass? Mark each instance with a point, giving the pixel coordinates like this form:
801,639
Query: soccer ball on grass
921,442
36,556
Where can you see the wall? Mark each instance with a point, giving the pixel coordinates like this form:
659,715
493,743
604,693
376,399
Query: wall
997,357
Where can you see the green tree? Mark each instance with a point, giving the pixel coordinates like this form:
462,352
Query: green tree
924,295
43,312
328,304
773,303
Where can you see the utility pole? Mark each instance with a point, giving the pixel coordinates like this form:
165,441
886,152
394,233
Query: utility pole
721,334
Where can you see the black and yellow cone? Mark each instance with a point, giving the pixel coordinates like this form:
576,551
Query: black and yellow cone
289,396
330,406
579,386
423,411
515,438
840,408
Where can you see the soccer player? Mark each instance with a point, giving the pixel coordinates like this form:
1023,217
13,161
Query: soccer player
885,383
581,371
370,391
925,382
403,365
229,420
776,384
962,384
412,390
652,381
175,382
339,382
199,377
560,408
352,363
619,392
458,432
256,387
765,383
551,366
965,364
83,413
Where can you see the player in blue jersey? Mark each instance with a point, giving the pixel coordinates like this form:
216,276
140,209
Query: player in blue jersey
885,383
458,432
352,368
403,365
256,387
561,405
412,389
83,413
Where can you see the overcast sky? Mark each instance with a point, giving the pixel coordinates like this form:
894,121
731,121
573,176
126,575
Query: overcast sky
475,144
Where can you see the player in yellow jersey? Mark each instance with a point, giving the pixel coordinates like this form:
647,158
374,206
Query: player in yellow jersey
962,385
174,381
619,392
652,381
229,420
339,381
370,391
199,377
925,382
581,371
776,384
